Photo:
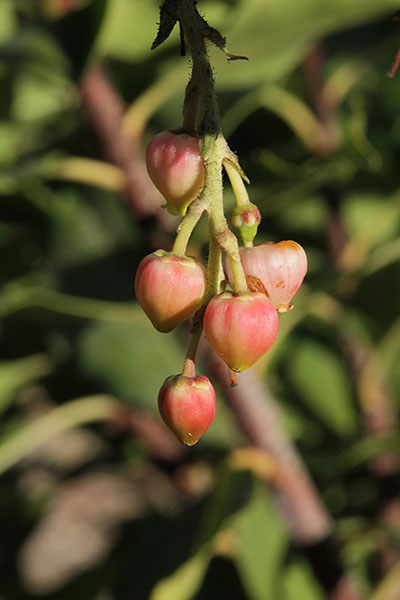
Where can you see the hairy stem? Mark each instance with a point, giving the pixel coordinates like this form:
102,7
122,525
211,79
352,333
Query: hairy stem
202,78
190,105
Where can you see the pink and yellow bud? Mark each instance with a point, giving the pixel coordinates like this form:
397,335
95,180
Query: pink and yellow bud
169,288
240,327
246,219
187,406
176,168
277,270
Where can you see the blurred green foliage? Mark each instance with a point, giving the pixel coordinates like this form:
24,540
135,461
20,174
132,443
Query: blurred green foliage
70,327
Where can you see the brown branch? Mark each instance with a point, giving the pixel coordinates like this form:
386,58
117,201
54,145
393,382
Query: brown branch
396,61
260,419
395,65
374,398
153,434
105,110
323,105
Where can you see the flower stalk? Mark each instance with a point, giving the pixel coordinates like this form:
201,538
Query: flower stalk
186,165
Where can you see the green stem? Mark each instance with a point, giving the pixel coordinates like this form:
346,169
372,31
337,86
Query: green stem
14,300
239,278
84,170
237,183
14,374
146,105
31,436
190,106
220,232
189,368
189,222
214,269
202,77
214,150
214,273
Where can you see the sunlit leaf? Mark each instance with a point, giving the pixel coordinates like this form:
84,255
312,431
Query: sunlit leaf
262,541
389,587
132,360
319,376
8,19
185,581
299,582
15,374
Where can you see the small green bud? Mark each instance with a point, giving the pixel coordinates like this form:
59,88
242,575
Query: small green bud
246,219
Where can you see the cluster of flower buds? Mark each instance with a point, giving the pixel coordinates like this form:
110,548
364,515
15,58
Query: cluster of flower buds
239,325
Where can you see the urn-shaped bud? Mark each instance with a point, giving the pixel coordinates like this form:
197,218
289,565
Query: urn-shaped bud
240,327
176,168
246,219
187,406
277,270
169,288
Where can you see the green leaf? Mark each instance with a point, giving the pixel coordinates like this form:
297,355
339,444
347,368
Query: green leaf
37,98
276,36
128,30
300,583
388,589
131,359
35,47
168,19
262,542
15,374
21,441
367,449
319,377
11,136
360,210
83,25
8,19
186,580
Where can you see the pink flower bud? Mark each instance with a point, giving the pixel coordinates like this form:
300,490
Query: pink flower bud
246,219
176,168
169,288
187,406
277,270
240,327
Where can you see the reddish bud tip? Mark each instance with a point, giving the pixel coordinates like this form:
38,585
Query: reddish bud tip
176,168
246,219
277,270
169,288
240,327
187,406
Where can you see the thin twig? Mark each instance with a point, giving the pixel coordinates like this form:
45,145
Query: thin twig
105,110
259,417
